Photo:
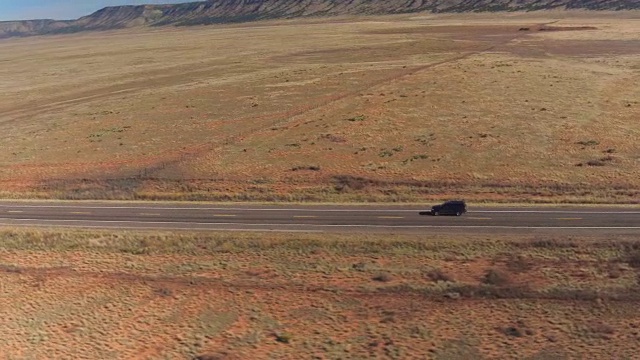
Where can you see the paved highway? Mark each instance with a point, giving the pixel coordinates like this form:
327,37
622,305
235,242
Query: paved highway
315,218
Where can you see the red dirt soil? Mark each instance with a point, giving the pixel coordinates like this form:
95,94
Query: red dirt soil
321,305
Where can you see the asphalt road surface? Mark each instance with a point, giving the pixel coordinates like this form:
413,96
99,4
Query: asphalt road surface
315,218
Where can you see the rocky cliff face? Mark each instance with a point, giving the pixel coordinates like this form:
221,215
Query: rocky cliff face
29,27
228,11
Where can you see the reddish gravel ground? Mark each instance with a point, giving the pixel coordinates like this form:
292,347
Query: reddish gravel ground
137,296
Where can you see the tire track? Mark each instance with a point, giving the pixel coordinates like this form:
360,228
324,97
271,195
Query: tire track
150,80
288,116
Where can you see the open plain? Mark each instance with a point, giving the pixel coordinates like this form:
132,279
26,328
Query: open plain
538,107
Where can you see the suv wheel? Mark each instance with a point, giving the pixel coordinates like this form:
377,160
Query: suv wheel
458,213
436,213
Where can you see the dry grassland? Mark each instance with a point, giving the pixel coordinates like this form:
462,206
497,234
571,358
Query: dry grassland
398,108
136,295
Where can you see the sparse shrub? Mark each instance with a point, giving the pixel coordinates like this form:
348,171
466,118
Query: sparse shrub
383,277
633,259
457,349
426,140
512,331
439,275
388,317
495,277
515,291
420,331
415,157
164,292
588,142
397,289
306,167
551,338
550,353
573,294
139,247
518,264
601,329
10,269
385,153
596,163
553,244
357,118
359,266
345,182
219,356
453,295
614,273
333,138
283,338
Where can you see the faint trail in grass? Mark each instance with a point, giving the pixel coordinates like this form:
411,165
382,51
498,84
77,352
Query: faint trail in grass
285,117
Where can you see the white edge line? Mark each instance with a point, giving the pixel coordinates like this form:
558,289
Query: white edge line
160,229
553,212
199,208
320,225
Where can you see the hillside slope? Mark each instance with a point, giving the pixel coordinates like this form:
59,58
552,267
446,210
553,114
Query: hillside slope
228,11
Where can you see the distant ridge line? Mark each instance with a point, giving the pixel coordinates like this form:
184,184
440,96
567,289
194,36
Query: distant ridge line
238,11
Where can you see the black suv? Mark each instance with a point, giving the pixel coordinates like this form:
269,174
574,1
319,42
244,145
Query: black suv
455,207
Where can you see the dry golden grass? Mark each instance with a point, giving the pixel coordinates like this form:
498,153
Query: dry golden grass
418,106
138,295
